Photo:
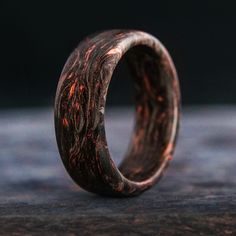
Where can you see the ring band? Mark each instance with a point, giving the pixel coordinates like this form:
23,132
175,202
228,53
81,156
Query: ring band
80,104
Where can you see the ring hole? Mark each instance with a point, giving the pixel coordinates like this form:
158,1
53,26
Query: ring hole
119,115
152,139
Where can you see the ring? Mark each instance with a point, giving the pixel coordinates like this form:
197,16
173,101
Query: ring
80,105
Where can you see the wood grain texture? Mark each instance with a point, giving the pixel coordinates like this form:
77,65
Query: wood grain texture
197,196
80,105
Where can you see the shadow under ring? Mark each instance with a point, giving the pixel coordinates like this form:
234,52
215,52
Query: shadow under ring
80,106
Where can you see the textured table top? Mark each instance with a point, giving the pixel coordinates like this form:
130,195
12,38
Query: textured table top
196,196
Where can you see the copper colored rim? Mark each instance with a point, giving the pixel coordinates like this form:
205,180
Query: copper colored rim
80,105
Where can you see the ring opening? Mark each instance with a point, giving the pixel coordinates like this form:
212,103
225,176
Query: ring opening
153,114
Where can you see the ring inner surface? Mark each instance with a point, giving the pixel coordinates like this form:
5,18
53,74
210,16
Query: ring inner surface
153,114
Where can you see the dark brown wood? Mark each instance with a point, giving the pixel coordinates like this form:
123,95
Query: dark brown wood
80,105
197,195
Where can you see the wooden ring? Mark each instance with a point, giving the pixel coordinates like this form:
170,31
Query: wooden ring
80,105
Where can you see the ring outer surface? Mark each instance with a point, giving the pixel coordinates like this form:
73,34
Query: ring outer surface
79,112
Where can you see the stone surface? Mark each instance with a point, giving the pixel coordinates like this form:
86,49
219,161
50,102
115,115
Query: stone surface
196,196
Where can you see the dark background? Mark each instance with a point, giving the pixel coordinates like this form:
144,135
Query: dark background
37,37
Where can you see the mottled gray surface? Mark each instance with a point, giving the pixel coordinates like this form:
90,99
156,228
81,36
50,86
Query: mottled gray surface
197,195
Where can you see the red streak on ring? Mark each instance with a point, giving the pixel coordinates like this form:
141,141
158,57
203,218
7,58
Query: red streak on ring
65,122
160,98
72,90
81,88
139,109
168,149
